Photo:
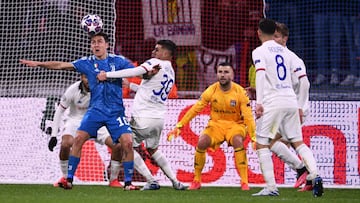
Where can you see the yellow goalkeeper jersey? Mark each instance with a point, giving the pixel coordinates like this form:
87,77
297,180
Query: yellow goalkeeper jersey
232,105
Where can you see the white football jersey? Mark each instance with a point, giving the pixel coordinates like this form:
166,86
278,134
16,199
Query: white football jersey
150,98
298,72
76,101
275,60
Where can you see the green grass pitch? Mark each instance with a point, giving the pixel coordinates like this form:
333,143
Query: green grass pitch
90,194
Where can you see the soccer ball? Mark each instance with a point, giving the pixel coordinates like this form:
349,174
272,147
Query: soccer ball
91,24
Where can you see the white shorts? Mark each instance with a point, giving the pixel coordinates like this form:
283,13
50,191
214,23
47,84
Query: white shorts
71,126
285,121
147,130
303,121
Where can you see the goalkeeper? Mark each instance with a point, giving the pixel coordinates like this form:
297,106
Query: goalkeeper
76,98
231,120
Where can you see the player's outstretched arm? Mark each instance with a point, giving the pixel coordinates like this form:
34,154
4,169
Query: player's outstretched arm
126,73
30,63
175,132
54,65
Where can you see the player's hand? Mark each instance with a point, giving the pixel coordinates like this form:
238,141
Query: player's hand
101,76
253,145
52,143
29,63
253,140
251,93
259,110
174,133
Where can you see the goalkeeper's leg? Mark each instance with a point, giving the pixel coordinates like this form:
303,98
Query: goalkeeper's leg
199,161
241,162
242,166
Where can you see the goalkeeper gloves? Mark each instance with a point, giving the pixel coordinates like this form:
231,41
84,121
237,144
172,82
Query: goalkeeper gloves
253,145
253,142
52,143
175,132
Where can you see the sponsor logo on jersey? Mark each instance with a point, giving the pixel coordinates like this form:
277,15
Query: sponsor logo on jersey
112,66
297,69
96,67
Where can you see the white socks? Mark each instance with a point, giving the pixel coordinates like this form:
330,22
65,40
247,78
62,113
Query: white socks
141,167
64,167
164,165
114,170
267,167
309,160
284,153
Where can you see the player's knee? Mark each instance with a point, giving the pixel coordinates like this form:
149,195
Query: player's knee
81,136
79,140
204,142
66,145
126,142
237,141
67,141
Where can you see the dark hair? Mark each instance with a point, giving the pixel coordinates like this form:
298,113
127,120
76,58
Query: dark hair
101,34
267,26
169,45
226,63
282,28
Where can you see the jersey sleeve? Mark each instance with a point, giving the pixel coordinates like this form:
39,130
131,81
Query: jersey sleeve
247,114
125,73
197,107
66,98
63,105
258,60
150,64
300,81
259,63
303,93
80,65
297,65
56,120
